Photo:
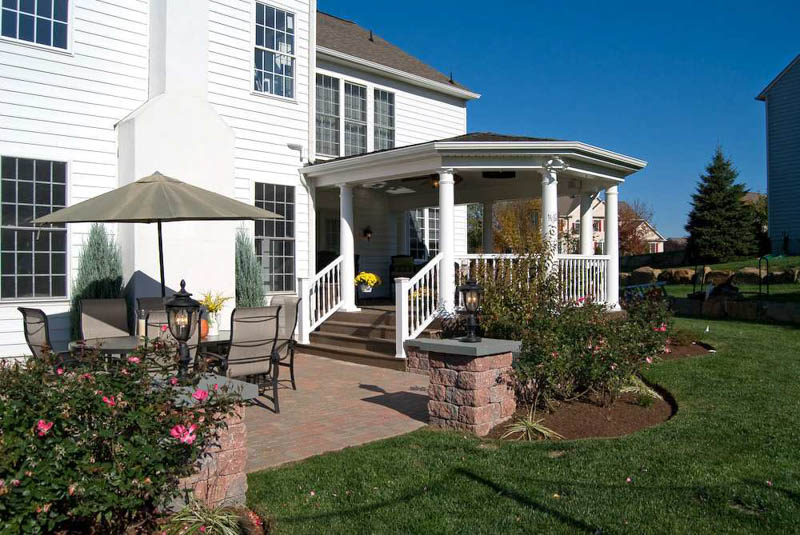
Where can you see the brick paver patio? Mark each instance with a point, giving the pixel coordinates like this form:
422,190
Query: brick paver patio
337,404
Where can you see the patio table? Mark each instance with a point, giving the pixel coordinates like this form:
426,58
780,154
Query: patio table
122,345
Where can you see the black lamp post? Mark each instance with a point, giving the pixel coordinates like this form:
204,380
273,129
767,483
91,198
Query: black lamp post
183,314
471,293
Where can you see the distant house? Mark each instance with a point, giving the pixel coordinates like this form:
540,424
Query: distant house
675,244
569,225
782,100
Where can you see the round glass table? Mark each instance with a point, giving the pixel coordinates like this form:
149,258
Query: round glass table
123,345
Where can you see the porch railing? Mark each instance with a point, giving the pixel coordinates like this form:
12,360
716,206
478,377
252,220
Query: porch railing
321,297
476,265
416,303
584,276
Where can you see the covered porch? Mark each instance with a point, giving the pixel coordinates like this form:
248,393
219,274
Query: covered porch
366,203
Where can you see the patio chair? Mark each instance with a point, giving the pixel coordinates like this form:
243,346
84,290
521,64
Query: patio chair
150,303
104,318
37,335
251,353
287,324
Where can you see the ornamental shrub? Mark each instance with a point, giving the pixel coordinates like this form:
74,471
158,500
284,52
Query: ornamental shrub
249,283
99,272
100,446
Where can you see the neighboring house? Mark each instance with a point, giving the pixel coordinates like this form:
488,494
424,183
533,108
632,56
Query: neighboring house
272,103
569,224
782,102
676,244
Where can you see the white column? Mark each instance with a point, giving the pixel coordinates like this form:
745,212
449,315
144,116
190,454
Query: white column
587,224
488,227
612,247
347,247
447,285
550,204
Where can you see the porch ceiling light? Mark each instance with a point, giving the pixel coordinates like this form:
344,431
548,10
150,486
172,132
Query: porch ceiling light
471,294
368,233
457,179
183,314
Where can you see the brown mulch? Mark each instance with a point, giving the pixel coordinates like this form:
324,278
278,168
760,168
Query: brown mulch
682,351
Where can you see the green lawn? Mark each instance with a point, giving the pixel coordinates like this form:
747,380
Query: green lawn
704,471
780,293
775,264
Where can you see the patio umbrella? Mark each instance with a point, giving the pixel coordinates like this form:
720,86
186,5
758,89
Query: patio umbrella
156,199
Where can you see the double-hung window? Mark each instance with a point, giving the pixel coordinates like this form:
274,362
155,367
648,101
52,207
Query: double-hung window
33,261
384,120
355,119
274,51
327,115
597,224
43,22
274,240
423,233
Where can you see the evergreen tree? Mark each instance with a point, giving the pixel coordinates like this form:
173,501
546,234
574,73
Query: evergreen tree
99,272
720,225
249,284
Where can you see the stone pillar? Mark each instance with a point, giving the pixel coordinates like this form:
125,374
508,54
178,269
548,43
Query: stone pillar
612,248
447,286
587,224
222,480
488,227
469,383
347,248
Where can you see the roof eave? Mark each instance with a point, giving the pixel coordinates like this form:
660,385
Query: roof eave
763,95
390,72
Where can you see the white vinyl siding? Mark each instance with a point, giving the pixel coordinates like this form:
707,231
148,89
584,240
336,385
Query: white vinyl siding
63,107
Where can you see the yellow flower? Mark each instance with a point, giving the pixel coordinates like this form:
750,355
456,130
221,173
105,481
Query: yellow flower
370,279
213,302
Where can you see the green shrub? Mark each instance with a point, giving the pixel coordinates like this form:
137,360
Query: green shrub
99,272
99,447
249,284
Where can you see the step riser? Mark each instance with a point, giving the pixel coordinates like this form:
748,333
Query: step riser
385,348
386,332
398,364
365,317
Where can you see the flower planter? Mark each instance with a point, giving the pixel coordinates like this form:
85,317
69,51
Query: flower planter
213,324
365,288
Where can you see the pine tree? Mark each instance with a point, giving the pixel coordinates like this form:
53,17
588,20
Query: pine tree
249,285
720,225
99,272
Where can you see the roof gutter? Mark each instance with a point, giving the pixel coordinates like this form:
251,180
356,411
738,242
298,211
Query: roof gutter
346,59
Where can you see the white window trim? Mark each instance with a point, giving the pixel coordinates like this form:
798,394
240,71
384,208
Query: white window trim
68,192
426,237
50,48
250,79
252,233
340,117
343,120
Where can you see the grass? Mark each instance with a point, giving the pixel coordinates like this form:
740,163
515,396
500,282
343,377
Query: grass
704,471
778,293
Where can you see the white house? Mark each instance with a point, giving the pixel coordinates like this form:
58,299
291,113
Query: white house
271,103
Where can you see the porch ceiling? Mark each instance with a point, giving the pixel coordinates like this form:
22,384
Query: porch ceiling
588,167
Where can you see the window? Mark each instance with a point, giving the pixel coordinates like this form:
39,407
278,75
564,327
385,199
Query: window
37,21
597,224
327,115
384,120
34,260
355,119
600,247
274,52
332,234
423,233
275,237
653,246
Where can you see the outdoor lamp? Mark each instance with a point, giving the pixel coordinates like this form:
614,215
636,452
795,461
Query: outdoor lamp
471,293
183,314
368,233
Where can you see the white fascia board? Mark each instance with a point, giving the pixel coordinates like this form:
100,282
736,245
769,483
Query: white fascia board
390,72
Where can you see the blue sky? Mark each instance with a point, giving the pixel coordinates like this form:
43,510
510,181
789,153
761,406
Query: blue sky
666,82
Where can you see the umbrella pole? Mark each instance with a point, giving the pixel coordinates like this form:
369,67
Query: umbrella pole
161,259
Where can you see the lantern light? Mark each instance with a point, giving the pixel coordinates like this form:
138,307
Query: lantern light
471,294
183,315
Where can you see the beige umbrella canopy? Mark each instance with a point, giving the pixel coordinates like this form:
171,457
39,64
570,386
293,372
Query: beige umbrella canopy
155,199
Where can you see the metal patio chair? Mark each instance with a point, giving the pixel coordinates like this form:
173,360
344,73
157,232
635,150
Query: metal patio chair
37,336
104,318
287,324
252,350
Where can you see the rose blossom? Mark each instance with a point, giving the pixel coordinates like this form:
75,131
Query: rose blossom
60,371
649,360
110,401
42,427
200,395
173,381
185,435
164,328
134,360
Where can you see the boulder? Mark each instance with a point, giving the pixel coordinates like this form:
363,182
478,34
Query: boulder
717,277
748,275
677,275
624,279
781,277
644,275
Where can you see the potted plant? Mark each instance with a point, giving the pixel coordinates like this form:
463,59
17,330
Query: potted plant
367,281
213,303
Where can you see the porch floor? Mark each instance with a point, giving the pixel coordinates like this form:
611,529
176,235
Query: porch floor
337,405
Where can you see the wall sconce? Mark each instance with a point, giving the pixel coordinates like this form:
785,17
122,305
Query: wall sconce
368,233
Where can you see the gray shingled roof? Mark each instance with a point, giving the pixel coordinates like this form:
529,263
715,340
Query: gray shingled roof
350,38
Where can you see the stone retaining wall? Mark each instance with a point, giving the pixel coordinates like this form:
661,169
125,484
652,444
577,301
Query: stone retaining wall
748,310
417,361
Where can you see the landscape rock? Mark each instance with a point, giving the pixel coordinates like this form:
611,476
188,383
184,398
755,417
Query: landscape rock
677,275
717,277
624,279
644,275
781,277
748,275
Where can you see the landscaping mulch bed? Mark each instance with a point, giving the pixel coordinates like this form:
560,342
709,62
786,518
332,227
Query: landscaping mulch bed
682,351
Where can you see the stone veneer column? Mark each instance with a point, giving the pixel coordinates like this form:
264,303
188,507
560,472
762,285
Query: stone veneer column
469,383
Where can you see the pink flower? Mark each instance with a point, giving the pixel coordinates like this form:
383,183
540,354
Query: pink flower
185,435
134,360
87,377
202,529
312,493
216,387
124,371
628,480
200,395
667,350
649,360
42,427
2,483
15,482
769,483
60,371
554,354
110,401
581,299
71,489
164,328
173,381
